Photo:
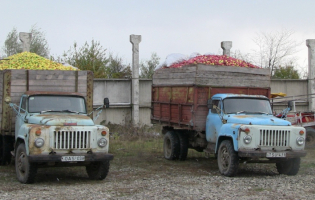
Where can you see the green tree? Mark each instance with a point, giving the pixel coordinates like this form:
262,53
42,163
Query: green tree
287,72
116,68
88,57
11,44
147,67
39,44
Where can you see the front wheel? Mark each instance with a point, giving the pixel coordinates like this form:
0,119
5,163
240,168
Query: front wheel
25,171
227,159
310,137
98,170
289,167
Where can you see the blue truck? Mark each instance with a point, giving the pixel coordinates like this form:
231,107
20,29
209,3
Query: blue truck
46,121
225,111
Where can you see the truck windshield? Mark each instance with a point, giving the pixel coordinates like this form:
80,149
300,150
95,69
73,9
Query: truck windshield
247,105
42,103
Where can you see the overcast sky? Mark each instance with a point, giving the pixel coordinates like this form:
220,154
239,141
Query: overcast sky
166,26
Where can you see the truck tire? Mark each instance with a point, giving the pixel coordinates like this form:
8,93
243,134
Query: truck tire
98,170
171,146
310,137
289,167
183,146
25,171
1,150
7,147
228,160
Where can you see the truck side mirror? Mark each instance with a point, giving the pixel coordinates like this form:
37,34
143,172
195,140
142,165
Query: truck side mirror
290,105
106,102
210,104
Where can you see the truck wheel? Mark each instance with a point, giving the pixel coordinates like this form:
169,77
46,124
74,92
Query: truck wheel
227,159
183,146
98,170
310,136
289,167
7,147
25,171
171,146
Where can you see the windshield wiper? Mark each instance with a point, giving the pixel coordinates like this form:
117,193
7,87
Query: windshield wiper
43,111
70,111
260,112
240,112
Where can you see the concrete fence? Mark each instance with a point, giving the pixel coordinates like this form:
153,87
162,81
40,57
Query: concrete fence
120,96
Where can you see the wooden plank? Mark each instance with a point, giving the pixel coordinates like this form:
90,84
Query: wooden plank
213,76
1,93
188,81
233,82
244,70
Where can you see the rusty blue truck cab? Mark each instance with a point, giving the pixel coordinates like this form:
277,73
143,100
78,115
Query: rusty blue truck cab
54,129
243,127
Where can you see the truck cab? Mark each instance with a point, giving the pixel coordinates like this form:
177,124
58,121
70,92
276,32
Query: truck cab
54,129
242,127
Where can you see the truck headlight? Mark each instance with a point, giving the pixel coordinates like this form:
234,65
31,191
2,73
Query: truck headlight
300,141
102,142
39,142
247,139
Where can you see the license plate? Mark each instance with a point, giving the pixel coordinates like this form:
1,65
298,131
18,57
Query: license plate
276,155
72,158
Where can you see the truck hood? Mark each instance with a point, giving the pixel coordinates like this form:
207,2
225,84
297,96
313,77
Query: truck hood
61,120
256,120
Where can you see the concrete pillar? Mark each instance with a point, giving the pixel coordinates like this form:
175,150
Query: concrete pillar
226,46
26,40
135,40
310,43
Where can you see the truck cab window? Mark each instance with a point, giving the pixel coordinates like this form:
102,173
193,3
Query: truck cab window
216,106
23,105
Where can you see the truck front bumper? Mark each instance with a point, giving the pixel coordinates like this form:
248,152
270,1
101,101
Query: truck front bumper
93,157
263,154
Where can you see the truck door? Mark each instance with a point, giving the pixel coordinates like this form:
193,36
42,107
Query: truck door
214,121
20,117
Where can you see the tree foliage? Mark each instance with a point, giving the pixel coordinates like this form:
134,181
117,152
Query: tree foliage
287,72
39,44
94,57
11,44
88,57
275,49
147,67
116,68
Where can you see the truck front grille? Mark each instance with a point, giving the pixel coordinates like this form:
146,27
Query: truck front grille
72,139
276,138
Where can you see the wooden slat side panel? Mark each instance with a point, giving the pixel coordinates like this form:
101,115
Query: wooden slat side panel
1,94
207,75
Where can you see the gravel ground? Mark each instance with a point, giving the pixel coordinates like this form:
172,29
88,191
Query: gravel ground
156,178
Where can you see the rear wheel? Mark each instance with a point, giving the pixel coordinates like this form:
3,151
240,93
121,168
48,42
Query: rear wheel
289,166
228,160
25,171
183,146
98,170
171,146
6,148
